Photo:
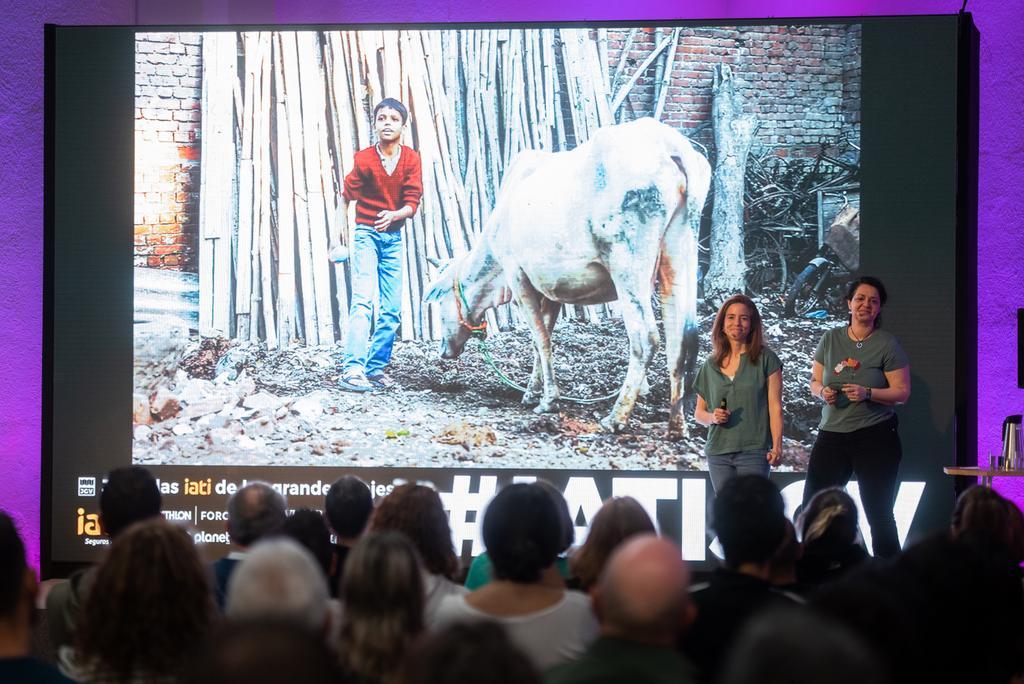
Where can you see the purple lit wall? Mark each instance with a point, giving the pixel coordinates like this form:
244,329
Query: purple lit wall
1000,257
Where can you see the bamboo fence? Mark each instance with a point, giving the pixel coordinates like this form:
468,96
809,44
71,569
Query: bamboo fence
284,112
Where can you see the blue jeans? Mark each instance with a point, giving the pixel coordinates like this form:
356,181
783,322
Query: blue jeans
724,467
376,260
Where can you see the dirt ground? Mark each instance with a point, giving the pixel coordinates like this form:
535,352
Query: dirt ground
216,402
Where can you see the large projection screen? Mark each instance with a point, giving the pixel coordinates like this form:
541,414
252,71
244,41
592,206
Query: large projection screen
196,326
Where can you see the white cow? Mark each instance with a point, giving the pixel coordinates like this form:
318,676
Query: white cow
598,223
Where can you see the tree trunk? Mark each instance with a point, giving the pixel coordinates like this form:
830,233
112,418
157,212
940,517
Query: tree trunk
734,132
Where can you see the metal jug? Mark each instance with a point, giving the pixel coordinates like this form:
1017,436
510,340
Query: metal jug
1010,458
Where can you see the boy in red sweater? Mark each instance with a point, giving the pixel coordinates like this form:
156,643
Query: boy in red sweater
386,183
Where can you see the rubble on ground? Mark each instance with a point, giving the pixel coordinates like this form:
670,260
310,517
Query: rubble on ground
211,401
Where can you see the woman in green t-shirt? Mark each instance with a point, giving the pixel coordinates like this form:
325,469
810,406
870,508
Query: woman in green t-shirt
860,373
742,380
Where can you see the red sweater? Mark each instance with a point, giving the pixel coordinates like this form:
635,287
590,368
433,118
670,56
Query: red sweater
374,190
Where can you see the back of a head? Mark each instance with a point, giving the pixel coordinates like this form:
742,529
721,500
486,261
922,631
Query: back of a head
463,652
830,518
417,512
308,528
565,521
880,607
255,511
131,494
279,579
966,581
382,597
749,517
521,533
783,561
150,603
382,575
617,520
264,652
800,647
643,593
985,515
348,506
12,567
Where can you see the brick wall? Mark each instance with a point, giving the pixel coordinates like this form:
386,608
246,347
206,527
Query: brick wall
167,115
802,82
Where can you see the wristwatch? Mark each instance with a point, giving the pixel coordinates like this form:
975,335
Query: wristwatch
868,397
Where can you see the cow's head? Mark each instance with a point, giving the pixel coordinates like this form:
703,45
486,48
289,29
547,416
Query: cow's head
441,291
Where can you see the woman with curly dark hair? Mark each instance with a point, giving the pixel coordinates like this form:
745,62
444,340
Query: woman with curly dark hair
416,511
617,520
551,625
382,606
149,609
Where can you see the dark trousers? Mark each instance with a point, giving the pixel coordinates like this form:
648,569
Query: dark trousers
872,454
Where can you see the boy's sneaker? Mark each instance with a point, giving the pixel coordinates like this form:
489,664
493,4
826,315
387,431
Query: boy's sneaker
381,380
354,380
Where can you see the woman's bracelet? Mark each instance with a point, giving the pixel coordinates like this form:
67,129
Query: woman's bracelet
821,393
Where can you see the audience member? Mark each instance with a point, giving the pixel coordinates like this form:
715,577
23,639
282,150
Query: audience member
800,647
17,603
751,525
782,566
265,652
481,570
617,520
937,590
549,623
347,506
466,653
130,494
148,610
310,530
972,590
416,511
828,529
254,511
280,580
877,605
382,606
643,605
982,513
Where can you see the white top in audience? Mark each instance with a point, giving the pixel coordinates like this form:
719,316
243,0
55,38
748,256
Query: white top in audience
435,589
548,637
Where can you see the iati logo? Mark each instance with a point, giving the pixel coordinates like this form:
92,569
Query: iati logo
88,524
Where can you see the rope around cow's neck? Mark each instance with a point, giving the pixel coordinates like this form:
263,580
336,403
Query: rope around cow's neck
479,332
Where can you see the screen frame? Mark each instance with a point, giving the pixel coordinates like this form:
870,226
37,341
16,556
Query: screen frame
965,371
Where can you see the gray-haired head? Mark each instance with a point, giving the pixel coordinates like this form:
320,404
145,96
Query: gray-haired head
255,511
279,579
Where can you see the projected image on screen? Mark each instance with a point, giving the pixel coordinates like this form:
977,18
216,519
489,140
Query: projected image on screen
549,242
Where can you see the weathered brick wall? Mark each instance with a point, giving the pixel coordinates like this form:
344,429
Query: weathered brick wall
801,82
167,114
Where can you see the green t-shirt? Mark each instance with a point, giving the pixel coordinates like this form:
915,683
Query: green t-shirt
481,571
845,363
746,396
